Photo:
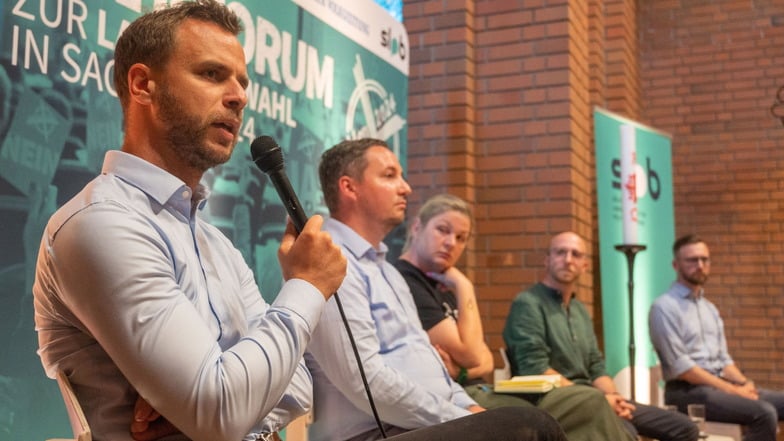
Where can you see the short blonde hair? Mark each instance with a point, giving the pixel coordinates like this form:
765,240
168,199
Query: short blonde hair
439,204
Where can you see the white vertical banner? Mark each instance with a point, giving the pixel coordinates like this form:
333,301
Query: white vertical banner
629,184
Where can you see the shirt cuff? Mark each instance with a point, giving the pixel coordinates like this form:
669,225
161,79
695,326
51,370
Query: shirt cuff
302,298
463,400
681,365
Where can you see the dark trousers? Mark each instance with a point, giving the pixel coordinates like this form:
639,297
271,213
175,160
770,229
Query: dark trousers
502,424
664,425
581,411
760,417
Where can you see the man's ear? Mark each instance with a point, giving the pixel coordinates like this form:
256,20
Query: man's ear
141,86
347,187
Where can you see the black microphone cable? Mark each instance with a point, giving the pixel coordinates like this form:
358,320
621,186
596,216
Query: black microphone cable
268,156
359,365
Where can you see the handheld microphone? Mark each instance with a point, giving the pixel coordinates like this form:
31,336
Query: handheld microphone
269,158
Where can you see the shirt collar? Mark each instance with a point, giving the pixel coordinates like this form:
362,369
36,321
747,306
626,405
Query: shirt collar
355,243
682,291
158,184
556,294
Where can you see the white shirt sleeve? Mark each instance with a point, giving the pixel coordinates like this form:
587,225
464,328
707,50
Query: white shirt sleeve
129,297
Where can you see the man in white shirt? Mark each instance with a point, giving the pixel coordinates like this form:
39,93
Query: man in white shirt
139,300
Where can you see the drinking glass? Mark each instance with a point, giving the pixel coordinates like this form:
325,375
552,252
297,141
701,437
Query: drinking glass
697,414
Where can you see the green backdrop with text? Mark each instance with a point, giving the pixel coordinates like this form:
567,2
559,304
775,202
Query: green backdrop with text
320,72
652,268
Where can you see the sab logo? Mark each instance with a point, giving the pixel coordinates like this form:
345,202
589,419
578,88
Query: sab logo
650,185
395,45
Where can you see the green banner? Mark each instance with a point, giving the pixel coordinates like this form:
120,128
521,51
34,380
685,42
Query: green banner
655,229
321,71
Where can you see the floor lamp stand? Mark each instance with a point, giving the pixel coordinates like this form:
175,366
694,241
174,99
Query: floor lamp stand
631,250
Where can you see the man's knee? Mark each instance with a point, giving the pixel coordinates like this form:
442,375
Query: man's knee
765,415
587,396
689,432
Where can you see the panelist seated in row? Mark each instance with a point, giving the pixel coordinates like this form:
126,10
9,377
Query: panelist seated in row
447,306
142,303
366,194
688,334
549,331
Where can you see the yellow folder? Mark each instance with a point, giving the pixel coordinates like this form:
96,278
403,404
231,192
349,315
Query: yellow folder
528,384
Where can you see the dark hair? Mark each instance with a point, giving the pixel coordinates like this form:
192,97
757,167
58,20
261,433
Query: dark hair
150,38
346,158
688,239
437,205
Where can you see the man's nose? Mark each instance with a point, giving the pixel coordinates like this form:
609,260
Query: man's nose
236,97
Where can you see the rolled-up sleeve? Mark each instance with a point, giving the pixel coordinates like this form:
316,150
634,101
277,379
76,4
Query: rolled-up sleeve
666,337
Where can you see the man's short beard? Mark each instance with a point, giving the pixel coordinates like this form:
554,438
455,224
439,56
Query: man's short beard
570,279
696,281
186,134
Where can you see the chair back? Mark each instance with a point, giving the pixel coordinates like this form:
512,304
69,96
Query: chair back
505,372
81,429
297,430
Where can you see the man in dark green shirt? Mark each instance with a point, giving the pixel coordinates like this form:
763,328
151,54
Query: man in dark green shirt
549,331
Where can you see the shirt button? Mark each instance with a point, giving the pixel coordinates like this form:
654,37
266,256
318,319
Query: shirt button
186,194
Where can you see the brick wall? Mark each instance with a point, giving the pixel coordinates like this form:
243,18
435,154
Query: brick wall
501,98
710,72
500,105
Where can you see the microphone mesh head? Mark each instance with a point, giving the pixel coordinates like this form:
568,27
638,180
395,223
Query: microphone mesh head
266,154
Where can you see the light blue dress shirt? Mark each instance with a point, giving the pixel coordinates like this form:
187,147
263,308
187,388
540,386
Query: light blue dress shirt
410,385
687,331
134,292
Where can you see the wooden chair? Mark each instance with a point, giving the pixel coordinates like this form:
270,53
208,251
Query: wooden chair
79,426
505,372
297,430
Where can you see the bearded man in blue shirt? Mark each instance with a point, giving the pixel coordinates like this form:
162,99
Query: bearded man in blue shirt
688,334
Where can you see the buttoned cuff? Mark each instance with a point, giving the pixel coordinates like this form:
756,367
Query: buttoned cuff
303,299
